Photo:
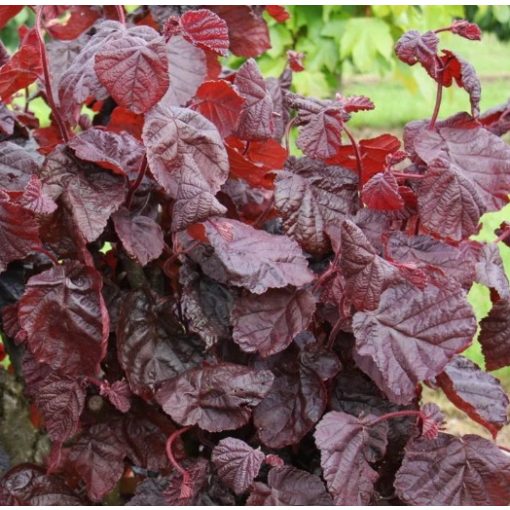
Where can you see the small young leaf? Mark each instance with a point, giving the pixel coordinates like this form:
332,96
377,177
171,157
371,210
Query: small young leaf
237,463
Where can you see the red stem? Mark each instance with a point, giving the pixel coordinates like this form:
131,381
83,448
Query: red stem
403,175
120,14
141,174
437,106
286,135
170,454
446,29
357,153
47,82
396,414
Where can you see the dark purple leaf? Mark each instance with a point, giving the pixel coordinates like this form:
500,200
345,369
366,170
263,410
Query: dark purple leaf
141,236
237,463
495,335
28,484
216,398
289,486
60,399
490,271
267,324
151,344
255,259
149,493
187,157
134,68
411,336
467,470
19,231
256,120
475,392
366,274
119,152
448,203
310,196
415,47
247,30
64,315
16,168
458,262
207,306
297,398
475,155
91,194
348,446
98,457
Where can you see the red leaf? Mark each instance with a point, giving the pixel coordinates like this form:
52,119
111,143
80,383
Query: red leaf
267,324
381,192
278,12
134,69
289,486
206,30
348,446
456,68
24,67
216,398
219,102
123,119
64,315
475,392
247,31
256,120
141,236
295,59
81,18
187,157
237,463
467,30
467,470
411,336
374,152
7,12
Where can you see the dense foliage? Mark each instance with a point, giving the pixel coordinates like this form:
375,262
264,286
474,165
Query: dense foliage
201,318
